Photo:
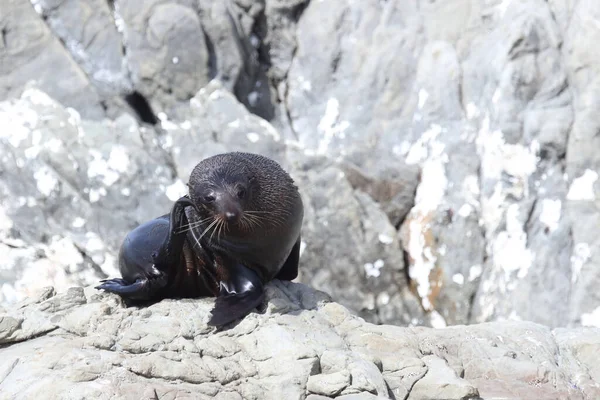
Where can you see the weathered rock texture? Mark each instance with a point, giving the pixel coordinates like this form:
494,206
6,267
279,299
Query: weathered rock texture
83,344
447,151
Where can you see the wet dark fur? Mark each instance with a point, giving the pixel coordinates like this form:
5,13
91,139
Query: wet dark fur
256,214
265,242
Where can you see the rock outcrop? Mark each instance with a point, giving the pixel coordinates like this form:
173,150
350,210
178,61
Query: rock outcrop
447,150
85,344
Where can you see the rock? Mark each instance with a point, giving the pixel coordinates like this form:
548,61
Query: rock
328,384
89,33
98,348
492,141
69,193
441,382
28,48
175,48
166,50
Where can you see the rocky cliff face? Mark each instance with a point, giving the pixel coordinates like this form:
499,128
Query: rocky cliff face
302,347
447,151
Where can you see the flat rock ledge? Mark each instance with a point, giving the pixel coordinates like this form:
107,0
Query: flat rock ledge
83,344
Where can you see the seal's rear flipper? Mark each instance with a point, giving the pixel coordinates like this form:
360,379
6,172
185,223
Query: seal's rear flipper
289,269
238,296
141,289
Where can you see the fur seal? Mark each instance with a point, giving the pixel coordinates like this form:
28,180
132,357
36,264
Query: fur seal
237,229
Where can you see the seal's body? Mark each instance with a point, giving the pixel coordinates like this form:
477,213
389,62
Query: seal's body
238,228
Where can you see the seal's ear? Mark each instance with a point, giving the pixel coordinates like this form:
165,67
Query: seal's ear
242,292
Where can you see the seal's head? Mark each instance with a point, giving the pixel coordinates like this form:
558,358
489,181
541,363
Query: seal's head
220,193
245,206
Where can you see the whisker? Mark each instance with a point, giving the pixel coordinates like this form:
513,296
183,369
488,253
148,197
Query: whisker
192,225
207,229
219,221
221,231
198,239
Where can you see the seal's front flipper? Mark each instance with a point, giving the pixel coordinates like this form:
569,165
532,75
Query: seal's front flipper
239,295
142,289
149,254
170,250
289,269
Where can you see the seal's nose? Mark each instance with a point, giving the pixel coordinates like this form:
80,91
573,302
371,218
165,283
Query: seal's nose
231,216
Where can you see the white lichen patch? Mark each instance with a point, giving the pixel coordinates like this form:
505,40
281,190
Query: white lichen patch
126,191
465,210
427,146
431,190
372,269
472,111
37,97
385,239
475,272
550,215
329,125
383,299
118,159
253,137
176,190
509,248
54,145
591,319
95,194
498,157
45,180
78,222
423,96
459,279
582,188
111,169
17,122
165,123
99,167
581,254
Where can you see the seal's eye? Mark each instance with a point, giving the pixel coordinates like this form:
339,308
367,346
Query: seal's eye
209,198
241,193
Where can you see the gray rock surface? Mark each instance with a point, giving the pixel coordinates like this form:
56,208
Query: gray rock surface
466,132
29,52
85,344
